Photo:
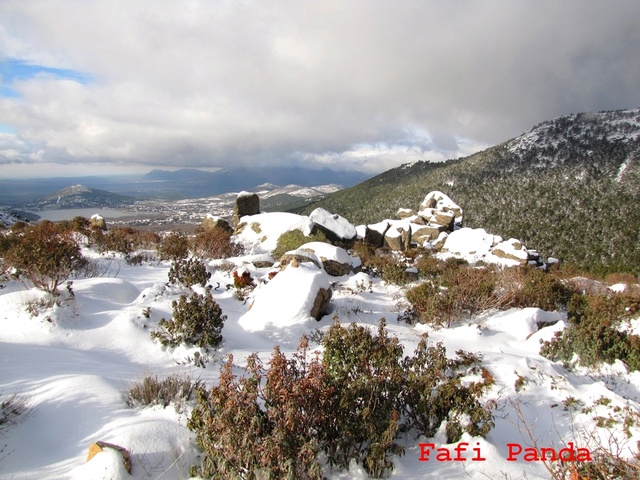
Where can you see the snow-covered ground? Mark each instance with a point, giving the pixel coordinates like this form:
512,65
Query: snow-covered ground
74,363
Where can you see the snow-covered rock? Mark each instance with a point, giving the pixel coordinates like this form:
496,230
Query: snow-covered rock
335,260
288,299
335,227
260,233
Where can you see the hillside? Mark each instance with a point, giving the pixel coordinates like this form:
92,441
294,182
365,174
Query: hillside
569,187
79,196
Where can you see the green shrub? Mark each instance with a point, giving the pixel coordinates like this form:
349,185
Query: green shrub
43,256
174,247
172,389
354,404
594,332
542,290
189,272
124,240
197,320
294,239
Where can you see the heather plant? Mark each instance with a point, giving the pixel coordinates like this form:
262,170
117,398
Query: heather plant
175,246
43,256
197,320
214,243
189,272
353,404
125,240
173,389
595,331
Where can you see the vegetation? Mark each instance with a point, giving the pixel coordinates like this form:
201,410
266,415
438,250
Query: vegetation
189,272
170,390
174,246
353,404
213,243
596,331
43,256
571,194
294,239
197,320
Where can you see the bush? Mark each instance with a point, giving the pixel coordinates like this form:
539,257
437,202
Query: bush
174,247
354,404
294,239
189,272
123,240
197,320
44,257
594,332
173,389
214,243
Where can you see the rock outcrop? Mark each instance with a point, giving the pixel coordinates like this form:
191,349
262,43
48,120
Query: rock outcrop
338,230
246,204
210,222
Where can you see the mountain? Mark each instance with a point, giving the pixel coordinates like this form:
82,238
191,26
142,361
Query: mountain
570,187
176,185
79,196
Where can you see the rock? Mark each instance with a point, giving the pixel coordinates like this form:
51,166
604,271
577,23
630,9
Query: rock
426,233
436,204
335,260
97,221
246,204
338,230
294,297
511,249
587,286
404,213
296,257
99,447
374,234
398,237
440,241
210,222
321,303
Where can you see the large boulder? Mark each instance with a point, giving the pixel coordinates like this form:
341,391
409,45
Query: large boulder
246,204
338,230
295,296
211,222
374,234
398,236
334,260
97,222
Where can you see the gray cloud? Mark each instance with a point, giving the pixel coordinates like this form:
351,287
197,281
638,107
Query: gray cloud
359,84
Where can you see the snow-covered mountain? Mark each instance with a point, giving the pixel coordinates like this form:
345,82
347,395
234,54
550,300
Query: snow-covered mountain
79,196
570,186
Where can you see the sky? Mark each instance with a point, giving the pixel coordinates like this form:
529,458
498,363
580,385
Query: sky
123,86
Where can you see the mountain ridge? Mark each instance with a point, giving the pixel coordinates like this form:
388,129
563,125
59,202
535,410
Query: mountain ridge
569,186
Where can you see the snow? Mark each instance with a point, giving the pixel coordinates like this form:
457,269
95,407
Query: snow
286,300
72,363
263,230
333,222
325,251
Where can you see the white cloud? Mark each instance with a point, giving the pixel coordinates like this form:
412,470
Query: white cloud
205,83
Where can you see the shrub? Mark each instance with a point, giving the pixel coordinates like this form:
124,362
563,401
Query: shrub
294,239
594,332
44,257
214,243
197,320
123,240
172,389
354,404
542,290
13,409
189,272
175,246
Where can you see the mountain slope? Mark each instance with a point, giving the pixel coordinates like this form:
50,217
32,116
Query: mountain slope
79,196
570,187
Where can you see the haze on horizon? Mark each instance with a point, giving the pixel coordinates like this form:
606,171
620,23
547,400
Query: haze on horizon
120,86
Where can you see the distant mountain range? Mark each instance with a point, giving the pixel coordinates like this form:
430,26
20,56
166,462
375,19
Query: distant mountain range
178,184
570,187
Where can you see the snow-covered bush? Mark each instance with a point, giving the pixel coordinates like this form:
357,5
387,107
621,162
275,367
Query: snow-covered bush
353,404
595,331
197,320
189,272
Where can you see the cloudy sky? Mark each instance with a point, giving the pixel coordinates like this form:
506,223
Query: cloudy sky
95,86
